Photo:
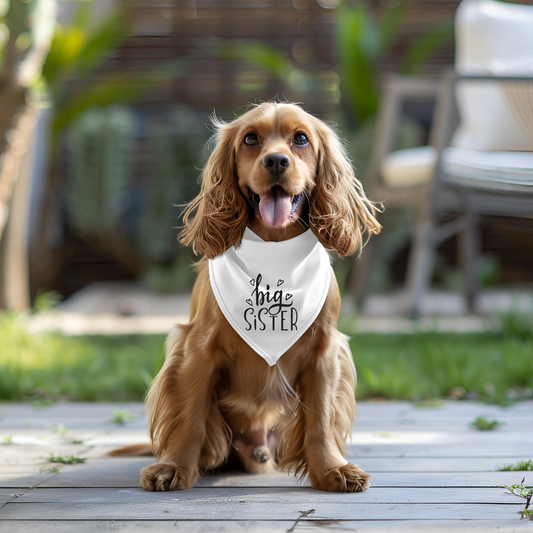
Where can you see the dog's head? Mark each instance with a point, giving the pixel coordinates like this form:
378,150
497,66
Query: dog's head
278,168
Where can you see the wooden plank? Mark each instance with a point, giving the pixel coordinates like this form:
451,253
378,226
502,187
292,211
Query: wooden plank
118,437
446,408
23,480
124,472
7,495
521,448
301,495
426,464
373,465
440,424
97,526
254,526
243,510
467,437
103,472
48,438
366,409
394,479
430,415
36,455
25,469
73,424
355,450
129,478
504,437
70,422
101,410
409,526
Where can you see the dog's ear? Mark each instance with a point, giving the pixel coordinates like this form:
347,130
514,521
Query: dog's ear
339,210
216,219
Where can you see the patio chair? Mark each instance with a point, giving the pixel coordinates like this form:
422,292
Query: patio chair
486,166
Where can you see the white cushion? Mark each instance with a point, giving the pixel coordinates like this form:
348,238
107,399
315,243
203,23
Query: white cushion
405,168
502,167
494,38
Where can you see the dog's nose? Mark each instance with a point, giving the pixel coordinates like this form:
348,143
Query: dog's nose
276,163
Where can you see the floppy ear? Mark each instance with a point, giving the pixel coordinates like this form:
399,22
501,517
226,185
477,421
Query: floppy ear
339,210
216,219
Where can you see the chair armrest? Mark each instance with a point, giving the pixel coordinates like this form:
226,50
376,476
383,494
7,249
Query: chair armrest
396,90
487,77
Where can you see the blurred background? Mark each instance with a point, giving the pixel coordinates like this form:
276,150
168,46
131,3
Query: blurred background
104,109
104,119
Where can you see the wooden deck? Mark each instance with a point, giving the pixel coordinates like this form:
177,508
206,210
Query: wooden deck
431,472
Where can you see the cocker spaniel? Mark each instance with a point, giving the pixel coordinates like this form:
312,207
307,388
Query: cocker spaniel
279,172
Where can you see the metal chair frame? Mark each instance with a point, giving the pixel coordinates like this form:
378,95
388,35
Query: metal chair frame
468,199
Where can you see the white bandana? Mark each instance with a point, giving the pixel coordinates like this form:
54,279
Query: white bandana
271,292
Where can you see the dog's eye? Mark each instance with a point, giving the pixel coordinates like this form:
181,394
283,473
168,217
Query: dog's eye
300,139
250,139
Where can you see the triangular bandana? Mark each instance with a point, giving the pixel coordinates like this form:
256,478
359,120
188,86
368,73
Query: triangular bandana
271,292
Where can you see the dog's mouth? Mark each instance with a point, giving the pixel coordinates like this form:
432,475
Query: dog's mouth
276,206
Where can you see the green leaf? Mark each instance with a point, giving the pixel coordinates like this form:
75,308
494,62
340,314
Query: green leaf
258,54
388,25
118,88
359,49
103,41
82,15
425,45
65,48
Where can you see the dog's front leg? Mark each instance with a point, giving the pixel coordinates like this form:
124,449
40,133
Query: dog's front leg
180,401
327,389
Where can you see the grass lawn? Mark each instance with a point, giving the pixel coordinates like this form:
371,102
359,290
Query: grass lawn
490,366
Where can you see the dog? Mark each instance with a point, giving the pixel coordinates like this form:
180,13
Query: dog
278,172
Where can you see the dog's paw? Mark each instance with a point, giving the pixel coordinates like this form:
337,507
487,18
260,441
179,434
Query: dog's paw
347,478
166,476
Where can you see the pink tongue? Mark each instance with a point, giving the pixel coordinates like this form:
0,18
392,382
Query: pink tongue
275,206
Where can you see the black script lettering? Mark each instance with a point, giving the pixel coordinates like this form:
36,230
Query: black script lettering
294,319
257,292
262,312
276,308
283,320
246,314
261,297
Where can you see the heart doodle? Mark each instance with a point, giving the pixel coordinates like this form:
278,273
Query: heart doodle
288,296
249,302
252,282
281,282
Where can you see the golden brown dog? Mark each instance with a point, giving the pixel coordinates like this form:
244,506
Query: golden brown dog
279,171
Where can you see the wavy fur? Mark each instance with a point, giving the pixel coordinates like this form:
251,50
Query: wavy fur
215,398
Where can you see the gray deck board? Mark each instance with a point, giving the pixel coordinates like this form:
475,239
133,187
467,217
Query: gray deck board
430,471
481,449
243,510
388,479
430,464
122,475
23,481
7,495
366,409
301,495
372,465
238,526
404,421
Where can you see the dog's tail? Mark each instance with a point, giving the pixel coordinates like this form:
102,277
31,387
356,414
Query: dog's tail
134,450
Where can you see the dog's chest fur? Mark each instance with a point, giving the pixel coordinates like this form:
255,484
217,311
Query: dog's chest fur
247,386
